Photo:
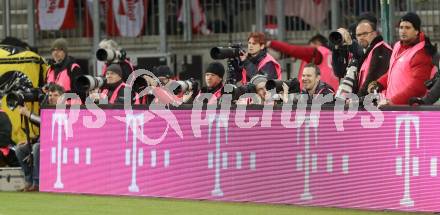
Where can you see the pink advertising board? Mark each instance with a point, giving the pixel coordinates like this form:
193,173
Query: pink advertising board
239,157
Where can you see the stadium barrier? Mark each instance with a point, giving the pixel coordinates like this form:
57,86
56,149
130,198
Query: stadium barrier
279,156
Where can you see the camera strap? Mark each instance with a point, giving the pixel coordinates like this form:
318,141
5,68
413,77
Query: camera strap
26,128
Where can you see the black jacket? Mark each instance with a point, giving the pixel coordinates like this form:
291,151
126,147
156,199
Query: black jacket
5,130
380,62
322,89
251,66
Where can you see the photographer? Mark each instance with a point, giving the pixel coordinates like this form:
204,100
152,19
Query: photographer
214,82
257,61
316,52
28,153
312,85
375,56
411,64
114,87
7,156
63,70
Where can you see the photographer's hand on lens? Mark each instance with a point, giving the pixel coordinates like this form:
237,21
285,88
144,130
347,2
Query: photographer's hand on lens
345,36
24,111
150,81
94,95
243,55
374,86
384,102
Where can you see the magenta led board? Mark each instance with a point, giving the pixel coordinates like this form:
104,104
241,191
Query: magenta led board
286,158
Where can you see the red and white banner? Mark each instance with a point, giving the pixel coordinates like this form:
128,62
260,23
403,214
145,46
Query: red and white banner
56,14
313,12
126,17
198,17
88,19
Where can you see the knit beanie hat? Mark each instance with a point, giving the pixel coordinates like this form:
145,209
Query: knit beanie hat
216,68
59,43
413,18
115,68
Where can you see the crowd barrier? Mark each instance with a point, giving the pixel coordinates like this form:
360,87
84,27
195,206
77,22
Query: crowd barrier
282,157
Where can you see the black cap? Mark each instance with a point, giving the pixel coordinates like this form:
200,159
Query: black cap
216,68
413,18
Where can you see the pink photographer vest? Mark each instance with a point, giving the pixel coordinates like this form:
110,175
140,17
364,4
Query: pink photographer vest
115,94
325,66
263,62
363,72
62,79
399,73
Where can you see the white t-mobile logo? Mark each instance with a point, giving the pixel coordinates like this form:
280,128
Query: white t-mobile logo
408,120
221,123
61,120
134,121
307,195
219,159
134,155
308,161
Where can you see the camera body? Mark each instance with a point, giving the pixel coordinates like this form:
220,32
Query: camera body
293,84
19,89
221,53
21,96
237,91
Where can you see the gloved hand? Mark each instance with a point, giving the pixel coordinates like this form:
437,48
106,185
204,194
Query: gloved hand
374,85
416,101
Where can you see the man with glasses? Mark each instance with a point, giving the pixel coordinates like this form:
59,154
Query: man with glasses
375,53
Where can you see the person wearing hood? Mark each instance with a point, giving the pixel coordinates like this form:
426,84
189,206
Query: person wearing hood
410,65
63,70
257,61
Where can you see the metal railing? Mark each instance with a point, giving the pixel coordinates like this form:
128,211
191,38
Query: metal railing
233,18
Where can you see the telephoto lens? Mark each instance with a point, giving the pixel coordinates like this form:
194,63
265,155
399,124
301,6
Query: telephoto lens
336,38
86,83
